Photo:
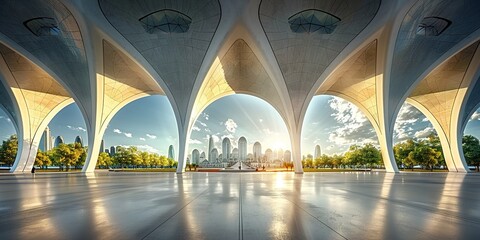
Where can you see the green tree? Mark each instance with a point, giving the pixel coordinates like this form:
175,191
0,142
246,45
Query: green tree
8,151
425,155
471,150
434,142
42,159
402,151
67,155
104,160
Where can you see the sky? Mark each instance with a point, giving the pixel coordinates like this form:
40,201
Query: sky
149,124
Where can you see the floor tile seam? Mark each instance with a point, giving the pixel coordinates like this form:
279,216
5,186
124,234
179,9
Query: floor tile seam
437,211
174,214
316,218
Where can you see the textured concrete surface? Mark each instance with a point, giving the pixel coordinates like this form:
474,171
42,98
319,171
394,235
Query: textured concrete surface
240,206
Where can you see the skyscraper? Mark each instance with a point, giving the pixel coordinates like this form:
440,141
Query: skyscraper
58,141
226,149
257,152
46,140
268,155
195,156
102,147
210,148
242,149
213,155
318,152
78,139
171,153
235,154
202,157
112,151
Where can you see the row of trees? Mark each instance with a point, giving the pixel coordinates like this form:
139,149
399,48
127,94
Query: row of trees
356,156
65,156
132,157
426,153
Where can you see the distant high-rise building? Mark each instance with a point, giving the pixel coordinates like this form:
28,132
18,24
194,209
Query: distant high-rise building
46,141
78,139
171,153
195,156
318,152
268,155
280,154
102,147
226,149
213,155
210,148
257,152
287,156
107,151
58,141
202,157
235,154
249,157
242,149
112,150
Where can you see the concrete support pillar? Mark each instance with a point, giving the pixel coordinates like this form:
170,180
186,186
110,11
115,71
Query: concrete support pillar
183,136
295,139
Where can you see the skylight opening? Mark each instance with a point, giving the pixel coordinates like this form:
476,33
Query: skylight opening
313,20
42,26
433,26
166,21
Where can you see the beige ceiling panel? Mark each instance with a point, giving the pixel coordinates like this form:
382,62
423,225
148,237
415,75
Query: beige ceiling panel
238,71
438,90
356,79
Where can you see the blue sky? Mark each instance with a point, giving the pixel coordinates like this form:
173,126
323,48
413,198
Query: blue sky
149,124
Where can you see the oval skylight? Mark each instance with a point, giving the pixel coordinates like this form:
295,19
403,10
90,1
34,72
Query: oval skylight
166,21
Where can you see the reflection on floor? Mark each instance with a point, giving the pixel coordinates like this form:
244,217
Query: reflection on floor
240,206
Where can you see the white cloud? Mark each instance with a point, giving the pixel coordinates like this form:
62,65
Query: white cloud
205,116
231,125
6,118
195,128
144,148
80,129
202,123
116,130
151,136
194,141
425,120
260,120
216,139
354,127
475,116
424,133
129,135
407,117
267,131
142,139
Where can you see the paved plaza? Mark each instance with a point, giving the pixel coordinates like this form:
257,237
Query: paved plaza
240,206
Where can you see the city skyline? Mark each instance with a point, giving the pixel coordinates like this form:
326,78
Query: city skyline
330,122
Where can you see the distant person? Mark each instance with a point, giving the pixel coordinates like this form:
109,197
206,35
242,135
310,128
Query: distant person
33,170
263,167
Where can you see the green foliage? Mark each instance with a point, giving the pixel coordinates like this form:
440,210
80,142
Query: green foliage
427,153
42,159
471,150
8,150
368,156
104,160
68,155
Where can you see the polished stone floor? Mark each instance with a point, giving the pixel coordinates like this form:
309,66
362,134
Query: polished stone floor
240,206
